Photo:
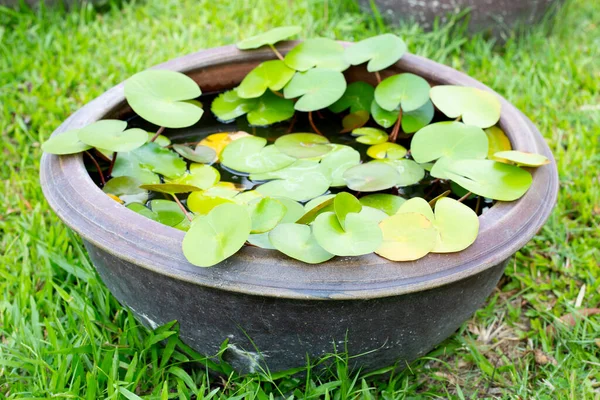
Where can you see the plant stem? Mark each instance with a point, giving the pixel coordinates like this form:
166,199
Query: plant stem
292,124
112,164
189,217
97,167
478,204
312,123
466,196
157,134
394,134
277,53
378,77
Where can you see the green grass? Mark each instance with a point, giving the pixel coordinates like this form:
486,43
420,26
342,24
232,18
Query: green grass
62,335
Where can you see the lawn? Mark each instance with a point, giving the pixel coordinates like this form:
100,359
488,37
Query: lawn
62,335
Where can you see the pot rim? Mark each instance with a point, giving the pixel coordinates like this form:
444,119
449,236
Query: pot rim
102,222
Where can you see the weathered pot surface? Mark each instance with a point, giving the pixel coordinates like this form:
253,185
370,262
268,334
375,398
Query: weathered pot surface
274,309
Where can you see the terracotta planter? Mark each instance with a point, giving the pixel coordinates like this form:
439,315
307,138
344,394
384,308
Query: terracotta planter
260,299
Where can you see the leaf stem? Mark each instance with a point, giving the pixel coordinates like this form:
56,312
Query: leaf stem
394,134
378,76
277,53
478,204
188,216
157,134
292,124
97,167
112,163
312,123
466,196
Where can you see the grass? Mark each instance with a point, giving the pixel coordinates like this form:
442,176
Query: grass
62,335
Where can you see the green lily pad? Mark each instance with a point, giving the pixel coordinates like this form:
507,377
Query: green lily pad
146,161
297,241
301,181
406,237
316,207
143,210
303,145
168,212
449,139
265,214
161,140
355,120
410,172
250,155
317,201
270,109
384,118
65,143
359,236
297,169
414,120
201,154
202,203
171,188
476,107
386,150
294,210
372,214
522,158
370,136
406,90
247,196
269,38
371,177
388,203
317,53
317,89
337,161
127,189
357,97
498,141
228,106
417,205
160,97
381,51
261,240
200,175
217,236
110,135
273,74
344,204
457,226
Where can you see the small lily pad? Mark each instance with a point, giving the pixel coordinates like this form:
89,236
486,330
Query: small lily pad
386,150
200,175
449,139
414,120
261,240
337,161
149,158
344,204
371,177
297,241
247,196
171,188
406,90
498,141
384,118
218,141
388,203
355,120
357,97
476,107
160,140
143,210
316,207
359,236
406,237
457,226
410,172
127,189
381,51
373,214
201,154
273,74
417,205
294,210
370,136
202,203
168,212
110,135
228,106
265,214
320,53
301,186
65,143
269,38
217,236
160,97
250,155
522,158
270,109
303,145
317,89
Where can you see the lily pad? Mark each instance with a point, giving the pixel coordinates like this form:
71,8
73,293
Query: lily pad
498,141
143,210
265,214
373,214
270,109
294,210
250,155
370,136
218,141
359,236
217,236
371,177
357,97
171,188
409,91
449,139
303,145
417,205
384,118
344,204
337,161
414,120
161,140
127,189
160,97
269,38
457,226
317,53
228,106
200,175
247,196
297,169
380,51
388,203
355,120
317,206
522,158
273,74
168,212
410,172
475,106
297,241
202,203
317,89
297,184
386,150
110,135
201,154
149,158
261,240
65,143
406,237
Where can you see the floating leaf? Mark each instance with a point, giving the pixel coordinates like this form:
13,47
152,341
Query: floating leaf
344,204
218,141
168,212
414,120
383,117
316,207
354,120
371,177
228,106
143,210
406,237
126,188
357,97
381,51
338,161
202,203
386,150
294,210
410,172
149,158
406,90
225,189
302,181
160,140
303,145
320,53
317,201
373,214
265,214
201,154
388,203
250,155
297,241
65,143
498,141
110,135
476,107
200,175
370,136
269,38
217,236
317,89
273,74
448,139
247,196
171,188
160,97
359,236
522,158
270,109
457,226
260,240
